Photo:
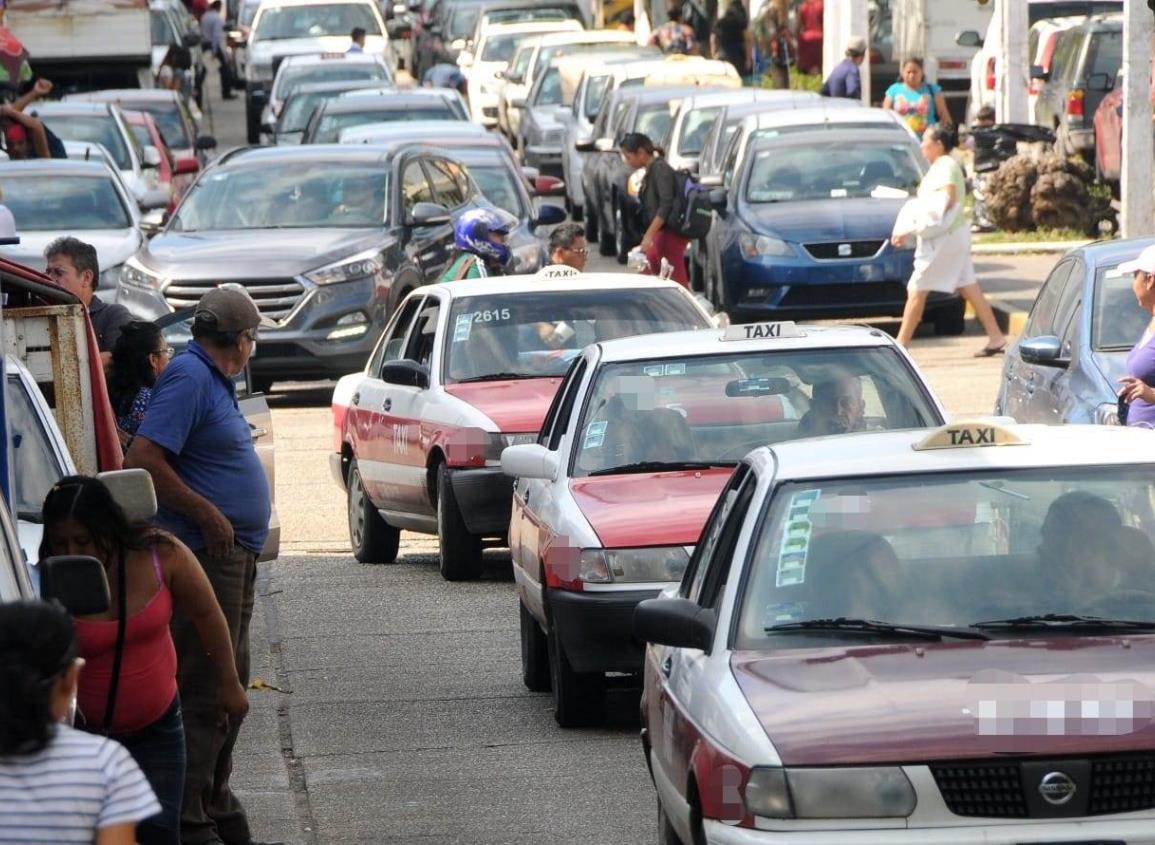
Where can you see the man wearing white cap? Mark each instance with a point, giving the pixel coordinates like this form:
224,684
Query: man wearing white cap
1138,386
845,80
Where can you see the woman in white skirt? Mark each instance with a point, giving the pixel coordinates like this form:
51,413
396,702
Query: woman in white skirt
942,257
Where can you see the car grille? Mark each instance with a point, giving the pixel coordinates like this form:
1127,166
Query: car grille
275,298
1118,784
829,250
862,293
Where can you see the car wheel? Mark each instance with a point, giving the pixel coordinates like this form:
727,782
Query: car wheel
579,699
621,250
252,122
607,245
372,538
534,653
460,551
951,318
261,384
591,221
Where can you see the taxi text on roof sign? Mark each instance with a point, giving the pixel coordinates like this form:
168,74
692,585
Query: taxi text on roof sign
969,434
762,331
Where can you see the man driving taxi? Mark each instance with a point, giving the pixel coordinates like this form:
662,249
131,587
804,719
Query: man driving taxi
836,407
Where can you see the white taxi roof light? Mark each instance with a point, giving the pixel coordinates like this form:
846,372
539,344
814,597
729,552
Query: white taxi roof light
970,434
763,331
557,271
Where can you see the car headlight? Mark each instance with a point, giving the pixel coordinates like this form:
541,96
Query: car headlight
358,266
526,258
111,277
756,246
1107,414
866,793
619,566
134,274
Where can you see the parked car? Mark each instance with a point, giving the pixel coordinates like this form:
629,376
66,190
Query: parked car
294,27
327,240
1086,60
51,198
356,108
1041,43
1108,122
611,499
803,227
321,67
148,135
302,100
488,356
1066,365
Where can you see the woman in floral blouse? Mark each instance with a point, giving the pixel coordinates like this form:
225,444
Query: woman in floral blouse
918,102
140,355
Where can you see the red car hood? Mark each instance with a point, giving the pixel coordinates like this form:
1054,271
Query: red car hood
649,509
918,703
515,406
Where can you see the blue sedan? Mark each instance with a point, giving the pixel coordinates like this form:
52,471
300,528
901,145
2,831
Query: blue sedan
803,228
1065,367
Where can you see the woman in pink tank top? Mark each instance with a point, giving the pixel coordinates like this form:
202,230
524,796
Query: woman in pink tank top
134,699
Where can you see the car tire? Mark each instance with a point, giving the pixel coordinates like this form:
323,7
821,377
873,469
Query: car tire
579,699
459,550
534,652
372,538
252,122
607,243
621,250
591,221
261,384
950,320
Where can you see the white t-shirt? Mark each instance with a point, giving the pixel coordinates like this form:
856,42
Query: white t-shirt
79,784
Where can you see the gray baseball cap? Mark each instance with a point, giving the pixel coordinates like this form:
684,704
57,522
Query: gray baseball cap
229,308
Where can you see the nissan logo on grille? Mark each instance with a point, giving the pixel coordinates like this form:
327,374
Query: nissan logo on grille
1057,788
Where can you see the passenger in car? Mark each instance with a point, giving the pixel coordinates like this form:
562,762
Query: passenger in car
836,407
1075,545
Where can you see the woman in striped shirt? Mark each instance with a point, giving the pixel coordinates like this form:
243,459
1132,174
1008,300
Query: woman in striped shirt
57,784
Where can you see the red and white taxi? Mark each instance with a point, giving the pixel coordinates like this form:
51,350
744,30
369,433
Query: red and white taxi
610,500
914,637
462,370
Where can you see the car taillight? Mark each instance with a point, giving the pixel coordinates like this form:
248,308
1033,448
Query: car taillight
1075,102
991,73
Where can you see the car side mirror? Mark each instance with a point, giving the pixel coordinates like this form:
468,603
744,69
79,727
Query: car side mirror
1040,73
968,38
429,214
150,158
675,622
205,143
549,215
154,200
133,490
186,166
604,145
1045,351
77,582
406,373
529,460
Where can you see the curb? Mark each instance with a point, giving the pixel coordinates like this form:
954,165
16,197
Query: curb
1027,248
1011,320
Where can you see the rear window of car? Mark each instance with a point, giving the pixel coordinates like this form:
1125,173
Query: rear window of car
1106,53
331,125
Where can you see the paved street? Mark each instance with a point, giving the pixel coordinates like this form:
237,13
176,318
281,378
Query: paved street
403,716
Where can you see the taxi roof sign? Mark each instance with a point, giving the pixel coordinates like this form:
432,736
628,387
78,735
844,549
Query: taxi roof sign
557,271
762,331
969,434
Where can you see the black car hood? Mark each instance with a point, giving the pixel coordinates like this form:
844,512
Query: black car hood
254,253
816,221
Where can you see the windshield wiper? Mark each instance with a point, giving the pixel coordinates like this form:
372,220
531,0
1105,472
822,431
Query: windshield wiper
1066,621
499,377
661,466
871,626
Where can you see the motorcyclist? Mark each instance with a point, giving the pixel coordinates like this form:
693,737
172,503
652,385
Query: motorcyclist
480,236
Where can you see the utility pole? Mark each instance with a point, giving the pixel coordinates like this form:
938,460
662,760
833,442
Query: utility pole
1014,24
1138,205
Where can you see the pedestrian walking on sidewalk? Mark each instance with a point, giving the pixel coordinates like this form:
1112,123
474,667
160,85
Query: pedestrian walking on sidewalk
659,196
942,256
214,497
213,41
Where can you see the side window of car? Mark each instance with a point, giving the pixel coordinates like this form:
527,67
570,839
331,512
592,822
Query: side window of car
446,189
424,335
393,347
699,562
565,410
721,558
414,187
1066,321
1042,318
462,178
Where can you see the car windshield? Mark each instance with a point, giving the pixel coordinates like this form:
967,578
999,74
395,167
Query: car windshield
1071,8
498,184
170,122
695,127
100,129
294,117
332,71
35,465
331,125
520,335
1118,321
951,549
278,23
462,22
63,203
500,48
830,170
529,13
715,408
549,90
654,121
273,195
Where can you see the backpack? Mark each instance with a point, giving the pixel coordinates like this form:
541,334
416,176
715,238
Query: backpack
692,214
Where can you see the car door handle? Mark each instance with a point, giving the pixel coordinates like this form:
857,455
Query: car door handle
386,404
257,432
668,665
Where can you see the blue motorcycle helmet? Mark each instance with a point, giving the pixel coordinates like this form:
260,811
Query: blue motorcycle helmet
482,231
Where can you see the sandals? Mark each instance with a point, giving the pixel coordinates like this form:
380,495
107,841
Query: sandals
991,351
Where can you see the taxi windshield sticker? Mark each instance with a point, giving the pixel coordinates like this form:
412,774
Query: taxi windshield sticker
659,370
796,540
595,435
462,327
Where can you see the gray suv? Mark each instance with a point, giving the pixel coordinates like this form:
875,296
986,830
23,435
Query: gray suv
326,239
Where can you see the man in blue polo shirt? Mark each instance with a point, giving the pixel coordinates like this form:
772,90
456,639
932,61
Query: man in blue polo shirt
846,78
214,496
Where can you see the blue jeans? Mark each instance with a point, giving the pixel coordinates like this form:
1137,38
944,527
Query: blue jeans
160,753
